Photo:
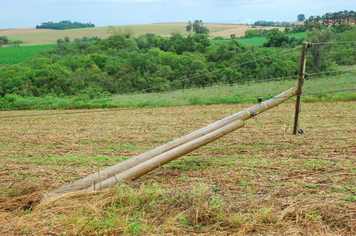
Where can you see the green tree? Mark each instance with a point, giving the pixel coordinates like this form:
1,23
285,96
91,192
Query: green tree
199,28
4,39
252,34
189,27
63,25
301,17
275,38
342,27
14,85
319,53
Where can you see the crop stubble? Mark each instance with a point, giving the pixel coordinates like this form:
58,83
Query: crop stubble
265,179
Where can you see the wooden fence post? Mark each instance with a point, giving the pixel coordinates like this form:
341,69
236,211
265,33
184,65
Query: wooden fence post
303,62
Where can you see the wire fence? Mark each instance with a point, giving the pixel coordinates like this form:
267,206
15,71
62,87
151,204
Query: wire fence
160,107
74,104
339,42
252,81
145,91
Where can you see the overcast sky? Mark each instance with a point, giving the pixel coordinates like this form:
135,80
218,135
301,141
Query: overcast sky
29,13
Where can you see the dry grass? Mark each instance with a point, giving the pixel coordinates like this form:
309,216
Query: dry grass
260,180
16,31
33,36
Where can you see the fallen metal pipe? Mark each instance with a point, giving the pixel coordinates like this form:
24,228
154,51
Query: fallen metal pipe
149,165
127,164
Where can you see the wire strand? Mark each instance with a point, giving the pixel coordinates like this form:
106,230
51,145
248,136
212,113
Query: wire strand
174,106
334,71
339,42
144,94
216,71
166,92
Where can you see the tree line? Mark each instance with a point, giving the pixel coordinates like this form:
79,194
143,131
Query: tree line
333,19
273,24
149,63
63,25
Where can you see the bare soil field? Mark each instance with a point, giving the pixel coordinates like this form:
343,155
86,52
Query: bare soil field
259,180
16,31
33,36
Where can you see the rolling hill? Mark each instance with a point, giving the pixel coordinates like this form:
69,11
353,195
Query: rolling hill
33,36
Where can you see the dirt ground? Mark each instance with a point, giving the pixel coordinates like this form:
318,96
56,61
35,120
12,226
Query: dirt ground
259,180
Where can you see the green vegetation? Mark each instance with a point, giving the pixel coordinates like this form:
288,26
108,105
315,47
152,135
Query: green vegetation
13,55
64,25
124,64
298,35
301,17
334,19
5,41
254,33
259,41
253,41
237,93
272,23
197,27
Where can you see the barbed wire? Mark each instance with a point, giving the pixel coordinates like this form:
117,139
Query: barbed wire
331,72
252,81
216,71
139,93
147,94
174,106
339,42
178,81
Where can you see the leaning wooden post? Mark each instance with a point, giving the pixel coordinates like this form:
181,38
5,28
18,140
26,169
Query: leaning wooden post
303,62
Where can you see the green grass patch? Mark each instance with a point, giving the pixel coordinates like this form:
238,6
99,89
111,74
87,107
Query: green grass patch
298,35
258,41
253,41
13,55
245,93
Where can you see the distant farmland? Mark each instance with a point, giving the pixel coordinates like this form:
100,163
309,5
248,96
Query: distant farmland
13,55
259,41
32,36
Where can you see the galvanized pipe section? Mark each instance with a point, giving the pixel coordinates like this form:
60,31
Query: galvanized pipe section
130,163
147,166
